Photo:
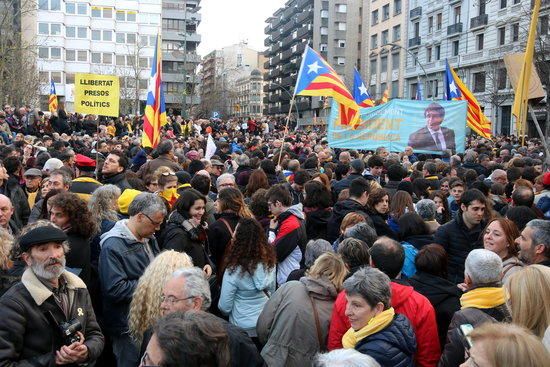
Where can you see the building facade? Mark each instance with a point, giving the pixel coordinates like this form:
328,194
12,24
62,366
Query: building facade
473,36
248,99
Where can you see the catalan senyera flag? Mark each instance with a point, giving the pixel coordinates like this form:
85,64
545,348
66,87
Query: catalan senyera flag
521,98
360,92
317,78
52,101
155,110
455,89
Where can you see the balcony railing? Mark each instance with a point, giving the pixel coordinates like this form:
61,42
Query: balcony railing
416,12
479,21
414,42
454,28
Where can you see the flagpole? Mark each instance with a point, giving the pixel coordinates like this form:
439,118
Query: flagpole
286,130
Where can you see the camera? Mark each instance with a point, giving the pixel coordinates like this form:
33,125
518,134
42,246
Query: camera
69,329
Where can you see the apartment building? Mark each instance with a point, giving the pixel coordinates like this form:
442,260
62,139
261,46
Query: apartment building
473,36
247,100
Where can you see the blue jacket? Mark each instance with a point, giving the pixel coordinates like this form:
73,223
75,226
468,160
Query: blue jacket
394,346
122,262
242,296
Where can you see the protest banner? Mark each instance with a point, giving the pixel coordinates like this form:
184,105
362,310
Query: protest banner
97,94
428,126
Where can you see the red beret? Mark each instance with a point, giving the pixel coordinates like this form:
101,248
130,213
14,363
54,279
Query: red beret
546,179
84,163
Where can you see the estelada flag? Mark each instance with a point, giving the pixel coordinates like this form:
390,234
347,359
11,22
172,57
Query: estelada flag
317,78
155,110
455,89
52,101
360,93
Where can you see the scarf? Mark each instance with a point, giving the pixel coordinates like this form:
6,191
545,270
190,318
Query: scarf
485,297
376,324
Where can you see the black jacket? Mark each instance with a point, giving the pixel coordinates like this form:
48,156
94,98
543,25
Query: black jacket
393,346
391,187
122,262
344,183
442,294
453,353
458,241
380,222
80,255
29,331
118,180
19,201
317,223
193,242
219,235
339,211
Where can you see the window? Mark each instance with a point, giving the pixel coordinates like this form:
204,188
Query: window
394,89
456,47
107,58
120,60
143,62
503,4
413,89
107,13
98,12
43,52
430,24
501,36
56,77
148,18
55,53
107,35
125,16
131,38
386,12
323,47
96,35
395,61
372,67
120,37
44,77
439,22
341,8
396,7
501,79
385,37
43,28
96,57
383,87
82,32
52,29
76,32
515,32
49,4
374,41
341,60
482,6
324,13
70,32
324,31
415,58
479,41
82,55
374,17
456,14
342,43
429,54
396,33
70,55
384,64
341,26
416,29
143,83
76,8
479,82
438,52
69,78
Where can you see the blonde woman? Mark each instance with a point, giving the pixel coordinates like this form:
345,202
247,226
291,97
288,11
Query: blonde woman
298,314
495,345
529,291
145,305
6,265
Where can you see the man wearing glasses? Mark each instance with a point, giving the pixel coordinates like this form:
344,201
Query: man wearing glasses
433,137
126,250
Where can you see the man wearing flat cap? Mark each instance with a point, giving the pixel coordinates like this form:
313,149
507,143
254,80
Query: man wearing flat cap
37,312
33,179
84,184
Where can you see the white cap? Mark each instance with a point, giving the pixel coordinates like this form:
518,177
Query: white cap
52,164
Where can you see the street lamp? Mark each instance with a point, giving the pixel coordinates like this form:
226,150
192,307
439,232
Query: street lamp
415,59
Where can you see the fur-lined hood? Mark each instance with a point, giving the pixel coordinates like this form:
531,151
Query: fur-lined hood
39,292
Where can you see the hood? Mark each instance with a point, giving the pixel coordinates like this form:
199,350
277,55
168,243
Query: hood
399,294
262,277
295,210
436,289
120,230
322,287
419,241
345,206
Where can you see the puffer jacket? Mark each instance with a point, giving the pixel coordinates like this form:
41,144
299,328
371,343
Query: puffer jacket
290,242
243,295
287,324
339,211
29,331
219,235
393,346
122,261
458,241
317,223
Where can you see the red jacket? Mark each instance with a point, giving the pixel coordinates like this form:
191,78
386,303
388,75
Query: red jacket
406,301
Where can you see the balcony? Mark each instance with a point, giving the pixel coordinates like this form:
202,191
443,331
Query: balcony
268,41
303,16
268,29
273,98
289,67
299,48
415,13
303,105
288,81
479,21
266,88
287,40
289,26
266,100
286,54
303,32
267,64
414,42
275,36
302,4
289,12
276,47
454,29
454,1
275,61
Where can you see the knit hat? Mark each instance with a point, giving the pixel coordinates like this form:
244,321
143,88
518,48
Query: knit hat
125,199
40,236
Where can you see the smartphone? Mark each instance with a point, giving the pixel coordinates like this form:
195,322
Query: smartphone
466,329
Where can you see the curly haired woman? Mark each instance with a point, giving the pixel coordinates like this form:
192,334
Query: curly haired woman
71,214
145,305
249,276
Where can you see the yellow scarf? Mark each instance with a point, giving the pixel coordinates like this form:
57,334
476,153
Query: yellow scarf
487,297
377,323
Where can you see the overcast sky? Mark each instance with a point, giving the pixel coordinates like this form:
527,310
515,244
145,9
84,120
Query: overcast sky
226,22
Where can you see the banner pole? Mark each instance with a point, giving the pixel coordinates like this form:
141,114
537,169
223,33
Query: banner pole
286,130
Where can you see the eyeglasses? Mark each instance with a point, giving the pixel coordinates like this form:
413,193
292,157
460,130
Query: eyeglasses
230,184
171,299
146,361
156,224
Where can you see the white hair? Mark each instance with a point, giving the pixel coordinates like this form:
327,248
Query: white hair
345,358
223,177
196,284
483,267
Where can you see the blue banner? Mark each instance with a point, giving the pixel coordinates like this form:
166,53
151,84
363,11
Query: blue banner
427,126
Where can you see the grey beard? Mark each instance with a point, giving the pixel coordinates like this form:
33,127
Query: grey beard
39,269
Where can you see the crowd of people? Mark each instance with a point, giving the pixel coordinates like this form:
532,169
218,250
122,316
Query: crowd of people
277,250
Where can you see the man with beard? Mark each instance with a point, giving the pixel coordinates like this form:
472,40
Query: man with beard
34,310
534,243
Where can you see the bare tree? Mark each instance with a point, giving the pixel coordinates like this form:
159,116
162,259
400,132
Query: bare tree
497,90
134,70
